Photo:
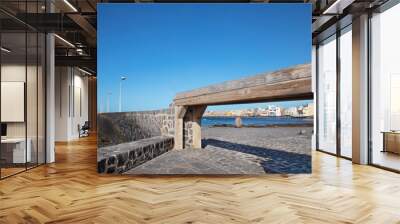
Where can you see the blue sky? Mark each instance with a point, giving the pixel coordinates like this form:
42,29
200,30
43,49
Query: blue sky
163,49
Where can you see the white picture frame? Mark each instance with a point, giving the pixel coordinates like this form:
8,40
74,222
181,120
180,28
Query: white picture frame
12,101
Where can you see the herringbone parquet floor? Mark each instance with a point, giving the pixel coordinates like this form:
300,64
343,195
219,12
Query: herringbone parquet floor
70,191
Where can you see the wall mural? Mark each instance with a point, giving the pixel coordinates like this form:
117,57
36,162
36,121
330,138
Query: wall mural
204,89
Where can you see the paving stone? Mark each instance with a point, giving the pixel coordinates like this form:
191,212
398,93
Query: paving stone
238,151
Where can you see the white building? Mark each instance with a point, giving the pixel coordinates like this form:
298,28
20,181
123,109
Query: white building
273,110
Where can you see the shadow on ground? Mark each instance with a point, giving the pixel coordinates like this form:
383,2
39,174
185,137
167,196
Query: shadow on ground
272,160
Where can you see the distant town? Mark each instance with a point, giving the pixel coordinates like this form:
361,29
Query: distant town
269,111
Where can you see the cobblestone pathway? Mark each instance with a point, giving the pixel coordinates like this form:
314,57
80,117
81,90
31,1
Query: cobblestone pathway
239,151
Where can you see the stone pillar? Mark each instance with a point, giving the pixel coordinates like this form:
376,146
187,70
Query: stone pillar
180,112
196,125
360,90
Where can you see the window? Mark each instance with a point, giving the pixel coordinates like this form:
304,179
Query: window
327,95
346,92
385,88
22,92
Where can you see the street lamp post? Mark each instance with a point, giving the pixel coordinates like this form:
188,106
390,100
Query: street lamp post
120,92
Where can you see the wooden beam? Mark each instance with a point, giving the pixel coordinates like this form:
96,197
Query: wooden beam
286,84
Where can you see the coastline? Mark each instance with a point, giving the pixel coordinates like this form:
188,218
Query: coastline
278,117
259,126
257,121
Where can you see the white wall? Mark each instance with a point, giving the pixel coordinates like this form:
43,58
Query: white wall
80,105
61,103
71,102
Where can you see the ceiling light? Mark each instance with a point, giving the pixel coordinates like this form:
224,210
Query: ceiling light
5,50
338,6
79,51
84,71
70,5
65,41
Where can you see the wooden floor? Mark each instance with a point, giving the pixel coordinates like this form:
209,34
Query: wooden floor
5,172
70,191
386,159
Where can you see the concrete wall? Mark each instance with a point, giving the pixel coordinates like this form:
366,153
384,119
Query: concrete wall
71,102
123,157
117,128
